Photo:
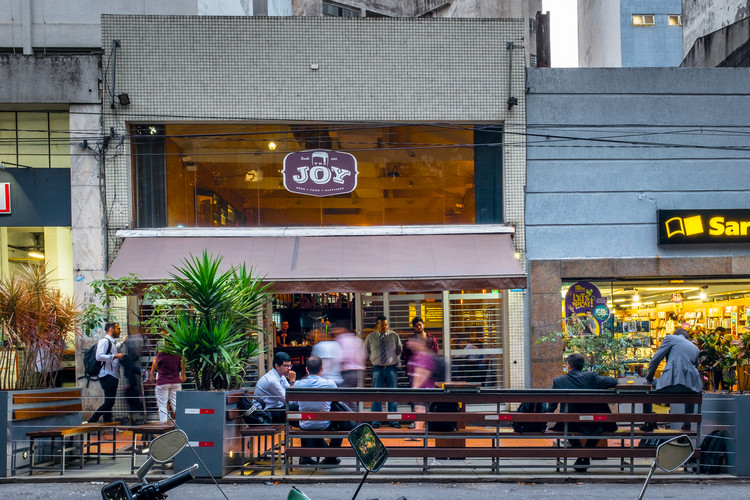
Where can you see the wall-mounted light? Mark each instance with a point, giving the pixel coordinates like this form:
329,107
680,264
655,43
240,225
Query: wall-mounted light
272,146
124,99
36,255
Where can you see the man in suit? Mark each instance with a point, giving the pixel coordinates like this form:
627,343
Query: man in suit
576,378
680,375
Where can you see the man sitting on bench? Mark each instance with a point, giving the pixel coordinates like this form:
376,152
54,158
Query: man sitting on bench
314,366
271,388
576,378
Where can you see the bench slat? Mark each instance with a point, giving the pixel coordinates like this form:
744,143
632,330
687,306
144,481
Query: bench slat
44,397
46,411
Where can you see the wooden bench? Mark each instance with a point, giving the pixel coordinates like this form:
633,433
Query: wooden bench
261,441
44,411
488,416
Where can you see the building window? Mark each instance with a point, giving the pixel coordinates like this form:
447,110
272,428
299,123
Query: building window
675,20
643,20
532,25
231,175
338,10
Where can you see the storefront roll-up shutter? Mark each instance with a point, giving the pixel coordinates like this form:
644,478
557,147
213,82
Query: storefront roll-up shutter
314,264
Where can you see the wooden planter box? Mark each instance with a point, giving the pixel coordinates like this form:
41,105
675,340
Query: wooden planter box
729,412
202,415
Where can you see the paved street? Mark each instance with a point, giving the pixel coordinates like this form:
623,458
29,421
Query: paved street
726,490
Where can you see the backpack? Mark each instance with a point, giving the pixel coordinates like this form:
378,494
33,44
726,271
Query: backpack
438,374
92,367
254,413
713,452
451,407
531,426
650,442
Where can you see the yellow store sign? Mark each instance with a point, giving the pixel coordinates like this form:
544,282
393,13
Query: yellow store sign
703,226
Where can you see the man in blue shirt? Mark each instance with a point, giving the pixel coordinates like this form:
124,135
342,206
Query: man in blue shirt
313,380
271,388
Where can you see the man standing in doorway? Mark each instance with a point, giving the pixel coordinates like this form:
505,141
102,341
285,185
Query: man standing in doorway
383,347
109,376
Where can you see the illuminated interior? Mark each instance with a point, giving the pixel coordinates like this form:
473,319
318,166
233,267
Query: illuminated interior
231,175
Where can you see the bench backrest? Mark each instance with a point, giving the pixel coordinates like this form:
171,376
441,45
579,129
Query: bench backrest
31,405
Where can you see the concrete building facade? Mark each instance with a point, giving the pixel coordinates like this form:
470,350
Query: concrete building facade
629,33
603,165
239,75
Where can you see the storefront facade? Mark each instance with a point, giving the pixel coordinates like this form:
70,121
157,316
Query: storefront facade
367,166
642,191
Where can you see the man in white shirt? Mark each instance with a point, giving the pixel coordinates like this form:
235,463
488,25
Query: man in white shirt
109,376
271,388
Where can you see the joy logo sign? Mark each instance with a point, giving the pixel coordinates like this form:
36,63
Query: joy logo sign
320,172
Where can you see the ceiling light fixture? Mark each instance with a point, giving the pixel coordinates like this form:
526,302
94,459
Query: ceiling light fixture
636,297
36,255
272,146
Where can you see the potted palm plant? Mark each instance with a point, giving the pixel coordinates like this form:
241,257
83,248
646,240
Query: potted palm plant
213,333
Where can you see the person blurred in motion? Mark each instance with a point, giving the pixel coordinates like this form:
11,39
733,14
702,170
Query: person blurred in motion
353,358
418,331
132,347
420,369
168,370
329,351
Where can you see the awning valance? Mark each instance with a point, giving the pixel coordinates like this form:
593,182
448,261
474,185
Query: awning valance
316,264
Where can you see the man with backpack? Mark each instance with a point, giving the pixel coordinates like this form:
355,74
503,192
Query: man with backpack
109,374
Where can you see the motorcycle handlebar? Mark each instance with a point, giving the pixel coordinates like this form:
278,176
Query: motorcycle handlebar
177,479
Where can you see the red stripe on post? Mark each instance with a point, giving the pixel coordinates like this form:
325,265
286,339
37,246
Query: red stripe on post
206,411
205,444
308,416
408,416
600,418
505,417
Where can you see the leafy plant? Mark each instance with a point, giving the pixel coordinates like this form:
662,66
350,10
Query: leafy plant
36,321
214,332
107,295
604,353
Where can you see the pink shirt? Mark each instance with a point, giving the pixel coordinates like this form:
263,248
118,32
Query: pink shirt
352,352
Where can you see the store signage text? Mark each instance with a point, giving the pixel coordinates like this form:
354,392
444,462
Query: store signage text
703,226
320,172
4,197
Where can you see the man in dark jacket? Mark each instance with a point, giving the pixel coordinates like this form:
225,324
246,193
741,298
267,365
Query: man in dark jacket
680,374
576,378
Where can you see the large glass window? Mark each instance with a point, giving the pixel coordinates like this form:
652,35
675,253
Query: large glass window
35,139
231,175
647,310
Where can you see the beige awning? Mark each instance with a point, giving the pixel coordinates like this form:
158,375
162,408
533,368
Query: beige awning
314,264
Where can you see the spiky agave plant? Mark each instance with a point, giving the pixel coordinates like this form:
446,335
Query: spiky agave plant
213,333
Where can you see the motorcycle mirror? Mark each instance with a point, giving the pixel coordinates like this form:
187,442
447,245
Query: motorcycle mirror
368,447
162,449
165,447
672,454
